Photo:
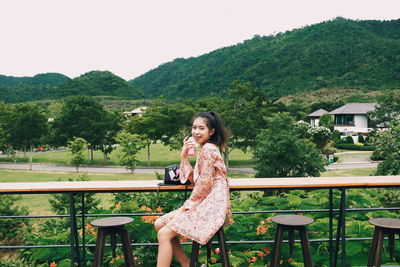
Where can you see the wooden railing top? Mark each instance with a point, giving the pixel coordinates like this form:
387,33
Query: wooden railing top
235,184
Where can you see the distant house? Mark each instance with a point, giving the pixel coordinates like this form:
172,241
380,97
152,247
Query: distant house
314,116
353,118
136,112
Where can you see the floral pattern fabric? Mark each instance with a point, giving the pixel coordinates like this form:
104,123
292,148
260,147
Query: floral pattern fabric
208,207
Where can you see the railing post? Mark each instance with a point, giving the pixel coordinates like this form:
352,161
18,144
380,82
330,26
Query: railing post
331,228
74,232
343,212
83,230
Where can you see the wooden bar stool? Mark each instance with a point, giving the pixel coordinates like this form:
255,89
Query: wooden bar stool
222,247
291,223
112,226
383,226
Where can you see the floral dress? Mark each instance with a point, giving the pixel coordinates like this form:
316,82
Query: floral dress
208,207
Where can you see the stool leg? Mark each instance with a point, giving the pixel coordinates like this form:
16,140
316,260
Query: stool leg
305,246
208,245
223,248
372,253
126,247
391,245
99,251
113,243
381,236
291,241
277,246
195,254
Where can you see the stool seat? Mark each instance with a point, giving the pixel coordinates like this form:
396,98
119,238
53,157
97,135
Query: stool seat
290,223
390,223
112,221
383,226
292,220
112,226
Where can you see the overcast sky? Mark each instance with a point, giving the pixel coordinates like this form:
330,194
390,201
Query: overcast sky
129,37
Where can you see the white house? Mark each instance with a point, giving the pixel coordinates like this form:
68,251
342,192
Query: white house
137,111
314,116
353,118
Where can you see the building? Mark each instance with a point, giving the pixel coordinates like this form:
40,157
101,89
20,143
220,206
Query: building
314,116
136,112
353,118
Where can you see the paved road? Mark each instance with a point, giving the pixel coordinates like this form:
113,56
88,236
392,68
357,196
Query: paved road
62,168
360,160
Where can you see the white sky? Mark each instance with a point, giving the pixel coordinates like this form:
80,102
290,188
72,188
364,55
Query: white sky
130,37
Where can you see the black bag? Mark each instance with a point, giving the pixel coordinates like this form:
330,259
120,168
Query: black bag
171,176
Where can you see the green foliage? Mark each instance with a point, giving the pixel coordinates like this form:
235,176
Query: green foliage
99,83
83,116
77,146
24,125
55,86
361,138
326,121
320,136
11,229
279,151
387,110
130,144
387,144
349,140
339,53
354,147
21,89
60,202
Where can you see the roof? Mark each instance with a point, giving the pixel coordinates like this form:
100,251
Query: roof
355,108
139,110
317,113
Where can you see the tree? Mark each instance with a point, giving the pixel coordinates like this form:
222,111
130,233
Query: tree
320,136
326,121
26,124
387,144
279,152
387,110
164,122
83,116
130,146
76,146
12,228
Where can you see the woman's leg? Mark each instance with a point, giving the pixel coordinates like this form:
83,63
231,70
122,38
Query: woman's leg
165,248
178,251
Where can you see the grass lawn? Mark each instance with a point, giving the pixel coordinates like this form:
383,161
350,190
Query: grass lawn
160,156
349,172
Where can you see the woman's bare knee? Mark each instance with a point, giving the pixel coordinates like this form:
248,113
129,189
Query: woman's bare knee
165,234
158,225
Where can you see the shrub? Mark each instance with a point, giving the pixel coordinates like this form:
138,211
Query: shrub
354,147
349,140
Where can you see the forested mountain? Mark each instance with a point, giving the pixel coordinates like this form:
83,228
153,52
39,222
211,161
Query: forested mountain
97,83
339,53
55,86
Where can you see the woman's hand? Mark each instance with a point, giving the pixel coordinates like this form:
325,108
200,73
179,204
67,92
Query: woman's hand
187,144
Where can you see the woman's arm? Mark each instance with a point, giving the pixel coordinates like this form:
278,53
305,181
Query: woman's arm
186,171
205,181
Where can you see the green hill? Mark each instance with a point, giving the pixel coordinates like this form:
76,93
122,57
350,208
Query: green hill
340,53
56,86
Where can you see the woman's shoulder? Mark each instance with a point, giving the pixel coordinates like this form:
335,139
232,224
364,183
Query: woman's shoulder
210,147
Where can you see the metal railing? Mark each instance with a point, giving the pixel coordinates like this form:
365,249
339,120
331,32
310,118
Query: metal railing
334,248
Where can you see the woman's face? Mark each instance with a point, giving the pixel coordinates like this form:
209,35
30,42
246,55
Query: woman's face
200,132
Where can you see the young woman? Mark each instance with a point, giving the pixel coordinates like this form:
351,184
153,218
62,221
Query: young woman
208,207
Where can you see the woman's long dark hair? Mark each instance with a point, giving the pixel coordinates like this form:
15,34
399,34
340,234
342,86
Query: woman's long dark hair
213,121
